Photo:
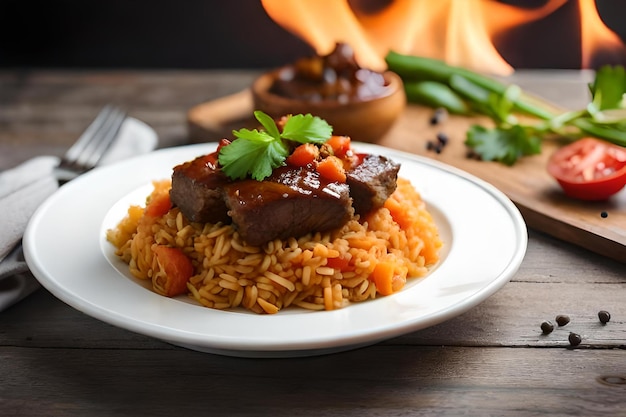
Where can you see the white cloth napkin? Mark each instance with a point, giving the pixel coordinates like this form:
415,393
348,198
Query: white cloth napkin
25,187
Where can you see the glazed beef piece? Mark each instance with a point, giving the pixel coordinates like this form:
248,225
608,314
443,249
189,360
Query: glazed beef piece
197,190
372,182
289,203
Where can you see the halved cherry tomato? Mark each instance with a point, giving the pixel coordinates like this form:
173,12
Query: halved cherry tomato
589,169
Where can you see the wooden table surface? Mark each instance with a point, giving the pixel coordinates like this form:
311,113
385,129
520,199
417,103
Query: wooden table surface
490,361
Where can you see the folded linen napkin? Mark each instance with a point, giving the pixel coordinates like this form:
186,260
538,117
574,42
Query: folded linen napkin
25,187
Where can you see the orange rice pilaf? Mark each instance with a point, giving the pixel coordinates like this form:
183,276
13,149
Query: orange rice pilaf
366,258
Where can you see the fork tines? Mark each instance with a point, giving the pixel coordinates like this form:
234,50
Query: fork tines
95,140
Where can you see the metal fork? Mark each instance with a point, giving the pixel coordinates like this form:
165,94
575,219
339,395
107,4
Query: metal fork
91,146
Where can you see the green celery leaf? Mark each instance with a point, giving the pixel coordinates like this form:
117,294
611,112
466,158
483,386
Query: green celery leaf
503,144
307,129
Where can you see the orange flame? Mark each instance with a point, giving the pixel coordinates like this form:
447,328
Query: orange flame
458,32
596,37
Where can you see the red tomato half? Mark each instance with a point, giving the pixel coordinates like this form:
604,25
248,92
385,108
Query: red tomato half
589,169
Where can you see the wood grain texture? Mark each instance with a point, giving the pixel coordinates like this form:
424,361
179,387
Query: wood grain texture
404,380
490,361
527,183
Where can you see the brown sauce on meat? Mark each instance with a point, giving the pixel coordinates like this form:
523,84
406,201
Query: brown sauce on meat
204,169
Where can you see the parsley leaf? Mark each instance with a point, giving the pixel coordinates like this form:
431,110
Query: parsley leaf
256,153
268,124
503,144
307,129
253,153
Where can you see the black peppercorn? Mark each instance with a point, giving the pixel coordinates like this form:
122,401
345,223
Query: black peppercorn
604,214
434,146
438,116
604,316
562,320
574,339
442,138
547,327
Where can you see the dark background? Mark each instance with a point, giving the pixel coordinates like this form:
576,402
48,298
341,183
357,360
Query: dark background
206,34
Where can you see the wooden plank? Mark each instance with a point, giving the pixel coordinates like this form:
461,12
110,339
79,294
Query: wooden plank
406,380
527,183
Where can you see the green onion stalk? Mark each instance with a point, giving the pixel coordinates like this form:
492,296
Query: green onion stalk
436,84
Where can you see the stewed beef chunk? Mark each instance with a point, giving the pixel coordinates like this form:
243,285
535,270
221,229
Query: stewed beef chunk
372,182
197,190
289,203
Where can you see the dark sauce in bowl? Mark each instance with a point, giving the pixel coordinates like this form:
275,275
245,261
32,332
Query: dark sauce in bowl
357,102
336,77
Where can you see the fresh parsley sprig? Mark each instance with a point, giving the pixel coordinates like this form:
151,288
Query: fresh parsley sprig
256,153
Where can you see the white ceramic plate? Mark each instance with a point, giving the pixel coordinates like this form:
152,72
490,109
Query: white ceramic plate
484,238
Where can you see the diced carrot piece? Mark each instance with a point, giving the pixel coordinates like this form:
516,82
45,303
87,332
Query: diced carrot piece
158,205
340,145
175,269
303,155
388,277
332,169
399,213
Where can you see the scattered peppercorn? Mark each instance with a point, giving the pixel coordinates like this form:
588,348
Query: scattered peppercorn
574,339
547,327
437,146
442,138
604,316
562,320
604,214
434,146
438,116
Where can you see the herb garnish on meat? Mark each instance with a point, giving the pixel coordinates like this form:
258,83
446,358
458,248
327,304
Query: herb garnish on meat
256,153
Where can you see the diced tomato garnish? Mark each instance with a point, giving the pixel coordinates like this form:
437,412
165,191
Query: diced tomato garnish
332,169
212,159
175,269
340,145
158,205
303,155
340,263
589,169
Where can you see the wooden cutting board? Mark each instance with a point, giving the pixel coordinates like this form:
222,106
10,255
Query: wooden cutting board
539,198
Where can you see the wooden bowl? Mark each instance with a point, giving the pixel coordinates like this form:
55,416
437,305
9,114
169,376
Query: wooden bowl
363,121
